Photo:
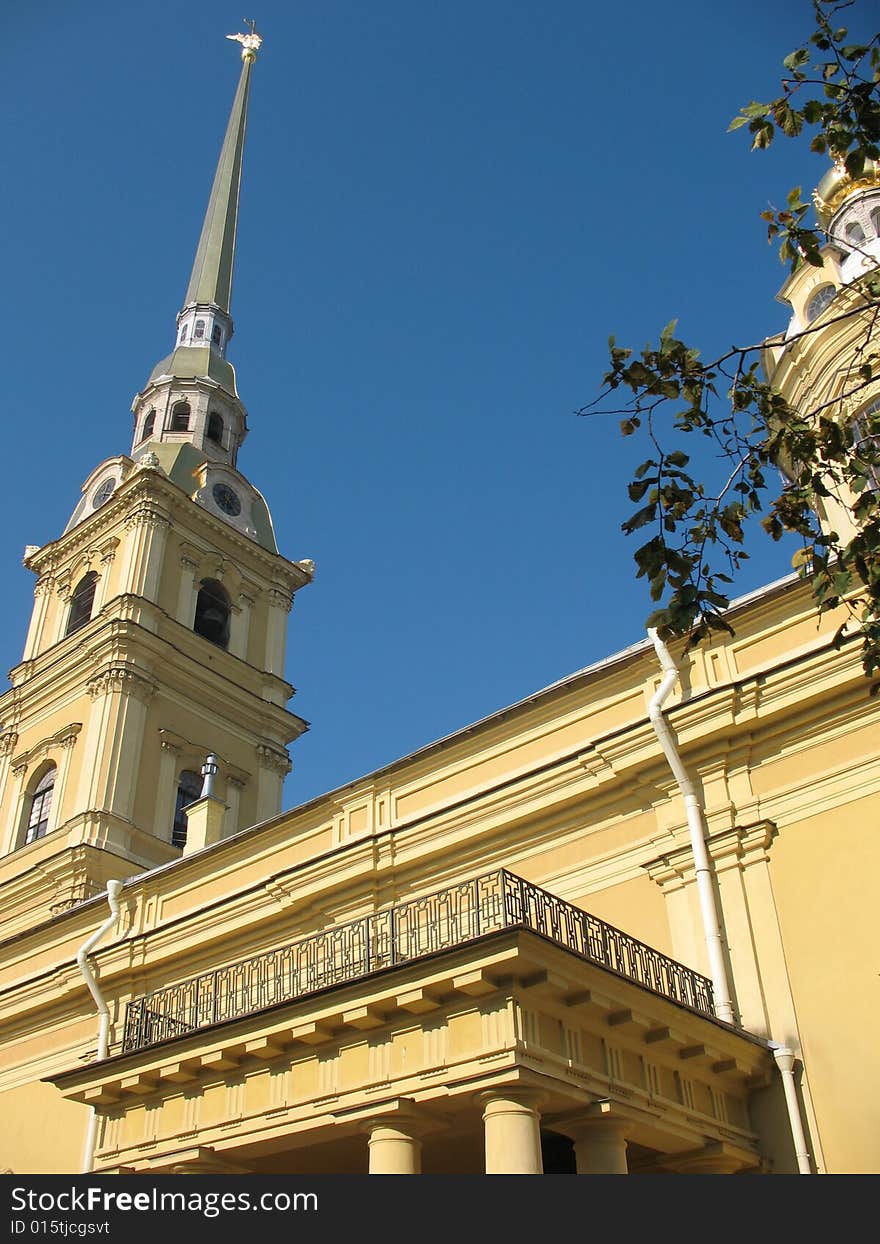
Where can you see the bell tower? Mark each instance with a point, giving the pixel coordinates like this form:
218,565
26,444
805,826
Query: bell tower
815,363
159,623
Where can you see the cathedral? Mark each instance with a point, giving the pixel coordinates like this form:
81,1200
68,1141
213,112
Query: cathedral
619,927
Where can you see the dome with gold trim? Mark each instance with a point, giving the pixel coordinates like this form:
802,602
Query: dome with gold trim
837,185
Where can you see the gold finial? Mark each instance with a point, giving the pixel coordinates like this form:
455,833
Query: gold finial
250,43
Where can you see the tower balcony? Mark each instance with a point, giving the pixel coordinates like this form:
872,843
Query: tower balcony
431,1027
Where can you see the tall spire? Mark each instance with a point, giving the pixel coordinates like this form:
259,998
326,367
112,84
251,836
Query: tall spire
191,394
211,279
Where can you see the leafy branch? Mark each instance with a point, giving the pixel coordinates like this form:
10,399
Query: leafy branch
696,532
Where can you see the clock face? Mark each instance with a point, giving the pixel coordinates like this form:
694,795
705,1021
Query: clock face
226,499
104,492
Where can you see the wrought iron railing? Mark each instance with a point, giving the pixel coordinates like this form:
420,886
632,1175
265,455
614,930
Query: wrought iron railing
386,939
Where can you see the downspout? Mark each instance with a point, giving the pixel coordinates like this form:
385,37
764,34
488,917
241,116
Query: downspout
785,1062
85,966
711,923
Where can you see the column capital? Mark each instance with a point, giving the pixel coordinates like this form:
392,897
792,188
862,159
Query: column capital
274,758
147,514
280,598
522,1095
395,1139
599,1135
404,1118
121,679
8,740
44,585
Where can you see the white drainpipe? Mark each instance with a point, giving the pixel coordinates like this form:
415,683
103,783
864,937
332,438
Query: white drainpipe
85,966
785,1062
711,924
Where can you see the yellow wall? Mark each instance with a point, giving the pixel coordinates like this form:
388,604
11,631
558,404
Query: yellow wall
41,1132
825,871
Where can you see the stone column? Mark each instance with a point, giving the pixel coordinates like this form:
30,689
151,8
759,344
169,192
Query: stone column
599,1146
13,785
107,553
66,742
113,739
394,1150
166,796
512,1126
52,632
235,784
148,530
278,606
42,597
241,621
186,594
274,766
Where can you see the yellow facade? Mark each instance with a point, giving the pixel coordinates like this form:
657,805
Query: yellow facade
487,956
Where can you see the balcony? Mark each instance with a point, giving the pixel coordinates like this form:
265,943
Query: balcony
407,933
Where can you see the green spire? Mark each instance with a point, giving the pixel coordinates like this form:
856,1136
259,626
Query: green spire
211,280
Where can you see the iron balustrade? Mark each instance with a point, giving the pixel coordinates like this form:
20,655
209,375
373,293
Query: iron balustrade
401,934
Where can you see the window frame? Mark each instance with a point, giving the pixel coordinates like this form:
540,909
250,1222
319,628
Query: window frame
39,796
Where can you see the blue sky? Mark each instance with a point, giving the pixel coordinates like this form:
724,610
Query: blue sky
446,210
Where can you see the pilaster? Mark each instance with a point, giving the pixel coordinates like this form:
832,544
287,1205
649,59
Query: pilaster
114,738
274,766
279,605
147,526
42,597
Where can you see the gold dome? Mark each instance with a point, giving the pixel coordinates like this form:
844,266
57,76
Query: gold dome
837,185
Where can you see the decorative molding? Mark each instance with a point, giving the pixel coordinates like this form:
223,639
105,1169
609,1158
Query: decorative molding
8,740
147,514
65,737
120,678
741,845
44,585
273,758
107,551
280,599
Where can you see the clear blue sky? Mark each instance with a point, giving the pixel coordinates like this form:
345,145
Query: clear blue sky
446,209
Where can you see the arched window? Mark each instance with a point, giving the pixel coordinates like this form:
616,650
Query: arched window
81,603
149,424
820,301
215,334
189,787
39,805
213,609
855,234
180,414
875,220
199,330
215,428
183,335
